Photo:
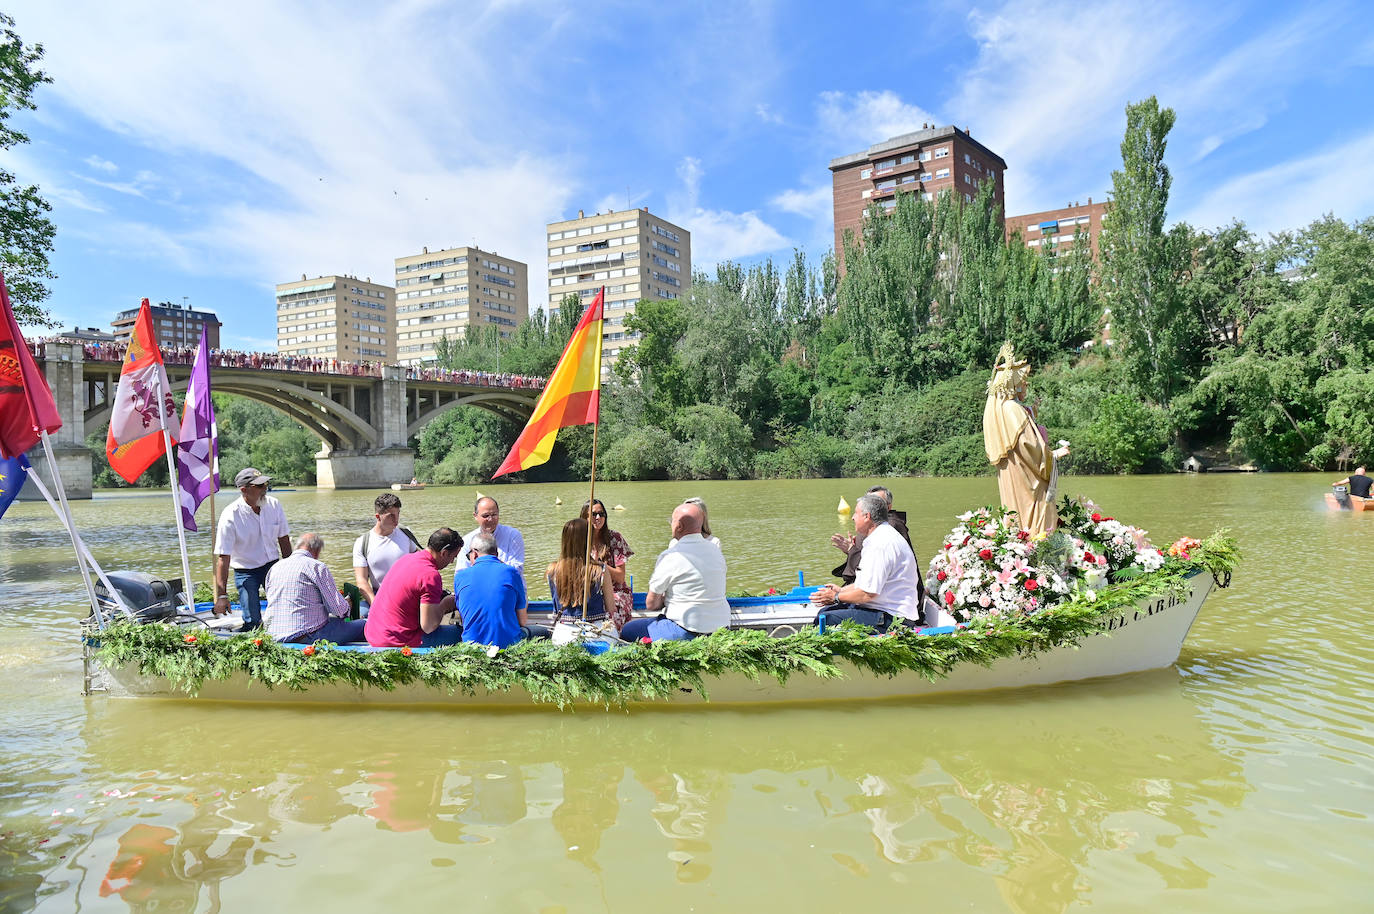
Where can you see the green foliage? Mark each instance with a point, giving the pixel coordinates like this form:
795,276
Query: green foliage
963,455
1143,263
804,454
26,233
1349,399
715,443
463,445
562,676
1126,437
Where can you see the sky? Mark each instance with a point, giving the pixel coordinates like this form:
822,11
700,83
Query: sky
203,153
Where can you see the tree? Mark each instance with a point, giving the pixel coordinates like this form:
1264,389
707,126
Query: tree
26,234
1142,263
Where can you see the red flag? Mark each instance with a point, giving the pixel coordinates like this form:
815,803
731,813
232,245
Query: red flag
143,404
572,395
138,412
26,403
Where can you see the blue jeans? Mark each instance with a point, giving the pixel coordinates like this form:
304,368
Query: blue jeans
658,629
249,582
443,636
340,631
875,619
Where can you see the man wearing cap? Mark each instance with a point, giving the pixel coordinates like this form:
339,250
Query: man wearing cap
251,535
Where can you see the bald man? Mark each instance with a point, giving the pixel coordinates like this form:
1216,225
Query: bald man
687,589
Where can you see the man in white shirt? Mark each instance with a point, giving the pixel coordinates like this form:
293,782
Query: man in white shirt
510,545
251,535
687,588
378,549
887,588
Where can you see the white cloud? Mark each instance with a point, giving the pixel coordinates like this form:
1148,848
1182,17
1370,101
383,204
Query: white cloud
766,114
813,203
1312,185
299,154
100,164
718,235
861,119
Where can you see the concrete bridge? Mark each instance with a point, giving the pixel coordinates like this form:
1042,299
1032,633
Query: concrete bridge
364,421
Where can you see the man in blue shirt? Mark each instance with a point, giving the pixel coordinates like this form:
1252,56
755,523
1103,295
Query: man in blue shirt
490,597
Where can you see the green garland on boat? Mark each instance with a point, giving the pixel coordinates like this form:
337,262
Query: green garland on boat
563,675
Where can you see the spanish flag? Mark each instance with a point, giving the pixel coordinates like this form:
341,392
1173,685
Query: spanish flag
572,395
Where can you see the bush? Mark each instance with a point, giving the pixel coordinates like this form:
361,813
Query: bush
715,444
804,454
963,455
645,453
1126,437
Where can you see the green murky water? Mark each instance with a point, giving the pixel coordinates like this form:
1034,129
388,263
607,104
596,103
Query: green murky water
1236,781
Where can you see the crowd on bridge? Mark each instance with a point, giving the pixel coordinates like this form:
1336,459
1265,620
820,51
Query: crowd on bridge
95,351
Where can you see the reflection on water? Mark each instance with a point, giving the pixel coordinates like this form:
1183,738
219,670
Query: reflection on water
827,797
1235,781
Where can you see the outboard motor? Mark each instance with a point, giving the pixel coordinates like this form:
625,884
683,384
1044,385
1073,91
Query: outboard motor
1343,497
149,598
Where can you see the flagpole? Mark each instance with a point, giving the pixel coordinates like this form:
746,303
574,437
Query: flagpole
66,516
176,509
591,495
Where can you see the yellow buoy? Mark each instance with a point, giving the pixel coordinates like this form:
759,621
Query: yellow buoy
843,507
618,508
480,495
558,501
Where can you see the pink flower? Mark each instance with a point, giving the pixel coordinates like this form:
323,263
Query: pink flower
646,640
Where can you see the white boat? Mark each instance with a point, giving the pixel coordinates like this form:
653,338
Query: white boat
1147,637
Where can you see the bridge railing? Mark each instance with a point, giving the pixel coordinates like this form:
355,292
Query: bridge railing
274,361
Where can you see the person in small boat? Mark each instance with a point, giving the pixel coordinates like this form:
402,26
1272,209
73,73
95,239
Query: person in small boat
490,597
378,549
705,522
251,535
687,589
1357,482
303,602
412,602
852,545
566,576
609,546
510,544
888,588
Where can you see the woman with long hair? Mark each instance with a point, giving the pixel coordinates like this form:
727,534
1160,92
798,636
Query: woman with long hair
609,546
567,576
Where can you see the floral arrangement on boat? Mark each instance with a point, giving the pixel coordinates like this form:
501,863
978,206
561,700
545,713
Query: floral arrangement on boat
990,565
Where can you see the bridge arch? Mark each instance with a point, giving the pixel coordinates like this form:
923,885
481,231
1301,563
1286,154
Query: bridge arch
499,402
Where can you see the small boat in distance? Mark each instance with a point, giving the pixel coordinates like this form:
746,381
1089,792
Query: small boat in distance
1340,499
407,486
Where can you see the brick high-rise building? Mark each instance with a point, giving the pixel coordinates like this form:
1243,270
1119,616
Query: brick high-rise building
929,161
633,253
1056,228
177,326
336,317
445,293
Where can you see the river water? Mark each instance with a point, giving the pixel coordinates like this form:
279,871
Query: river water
1239,780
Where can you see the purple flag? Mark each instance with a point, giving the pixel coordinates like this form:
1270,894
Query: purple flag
198,447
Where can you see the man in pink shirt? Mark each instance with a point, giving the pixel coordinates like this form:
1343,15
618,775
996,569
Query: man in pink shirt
412,601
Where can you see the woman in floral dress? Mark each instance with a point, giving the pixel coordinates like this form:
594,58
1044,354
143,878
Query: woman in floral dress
610,547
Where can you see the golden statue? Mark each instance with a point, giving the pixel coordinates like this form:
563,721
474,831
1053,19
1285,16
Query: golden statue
1019,447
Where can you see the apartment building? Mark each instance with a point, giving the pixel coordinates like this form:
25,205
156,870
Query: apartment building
336,317
444,293
1056,229
930,161
632,252
177,326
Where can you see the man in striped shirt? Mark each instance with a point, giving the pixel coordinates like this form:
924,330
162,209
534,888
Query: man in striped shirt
303,602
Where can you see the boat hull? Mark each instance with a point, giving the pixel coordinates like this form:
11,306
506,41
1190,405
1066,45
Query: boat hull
1148,638
1356,503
